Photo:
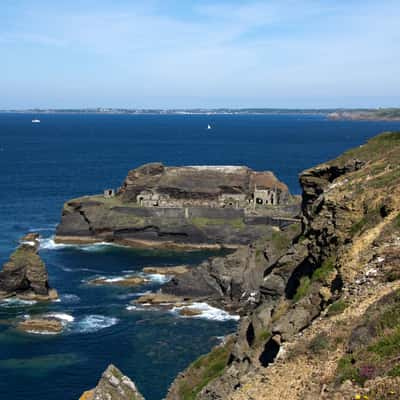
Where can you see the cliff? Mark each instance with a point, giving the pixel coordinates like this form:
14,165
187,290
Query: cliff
326,323
201,206
25,275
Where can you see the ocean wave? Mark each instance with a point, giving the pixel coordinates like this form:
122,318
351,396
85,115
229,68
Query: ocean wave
50,244
70,298
94,323
42,332
158,278
15,302
206,312
63,317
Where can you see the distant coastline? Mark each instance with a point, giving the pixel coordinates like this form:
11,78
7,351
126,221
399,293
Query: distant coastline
372,114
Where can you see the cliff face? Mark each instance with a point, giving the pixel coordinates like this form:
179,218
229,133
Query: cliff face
181,207
25,274
336,272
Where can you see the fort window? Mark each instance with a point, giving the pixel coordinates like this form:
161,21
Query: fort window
140,200
259,200
109,193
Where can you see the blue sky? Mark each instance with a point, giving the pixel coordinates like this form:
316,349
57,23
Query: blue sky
187,53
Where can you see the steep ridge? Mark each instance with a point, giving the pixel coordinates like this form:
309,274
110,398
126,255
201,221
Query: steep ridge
341,266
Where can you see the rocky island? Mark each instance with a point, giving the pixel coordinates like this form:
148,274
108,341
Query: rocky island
187,207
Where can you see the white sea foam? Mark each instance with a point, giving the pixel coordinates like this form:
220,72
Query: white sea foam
42,332
94,323
70,298
50,244
158,278
15,302
207,312
63,317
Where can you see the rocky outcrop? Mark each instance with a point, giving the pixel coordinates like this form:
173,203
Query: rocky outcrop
233,282
190,207
113,385
41,325
344,257
126,281
25,274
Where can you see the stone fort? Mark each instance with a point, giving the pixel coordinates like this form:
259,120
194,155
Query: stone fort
239,187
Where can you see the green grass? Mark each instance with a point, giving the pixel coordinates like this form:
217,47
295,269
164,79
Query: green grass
372,217
395,371
280,240
204,370
322,273
387,346
347,371
303,289
319,344
202,222
336,308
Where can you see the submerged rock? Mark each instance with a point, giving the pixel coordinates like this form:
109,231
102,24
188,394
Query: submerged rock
123,281
41,325
160,298
176,270
113,385
25,275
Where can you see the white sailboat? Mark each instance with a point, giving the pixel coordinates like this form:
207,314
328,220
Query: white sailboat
209,127
36,121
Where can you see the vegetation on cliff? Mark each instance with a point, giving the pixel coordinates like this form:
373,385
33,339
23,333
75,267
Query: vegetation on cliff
327,322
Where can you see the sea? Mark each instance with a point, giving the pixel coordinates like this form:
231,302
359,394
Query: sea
70,155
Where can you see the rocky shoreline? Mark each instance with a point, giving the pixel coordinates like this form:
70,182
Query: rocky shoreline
324,312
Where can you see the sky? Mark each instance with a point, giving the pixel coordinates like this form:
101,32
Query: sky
199,53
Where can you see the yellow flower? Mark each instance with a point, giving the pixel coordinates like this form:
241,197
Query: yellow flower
357,397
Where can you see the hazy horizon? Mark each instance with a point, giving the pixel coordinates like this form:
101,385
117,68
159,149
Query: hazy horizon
199,54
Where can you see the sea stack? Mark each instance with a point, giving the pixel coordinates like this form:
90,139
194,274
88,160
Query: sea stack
25,275
113,385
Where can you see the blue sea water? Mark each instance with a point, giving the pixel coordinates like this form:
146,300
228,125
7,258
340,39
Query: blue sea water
42,165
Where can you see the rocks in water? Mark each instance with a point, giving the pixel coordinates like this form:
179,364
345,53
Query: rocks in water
160,298
189,312
120,281
113,385
176,270
25,275
41,325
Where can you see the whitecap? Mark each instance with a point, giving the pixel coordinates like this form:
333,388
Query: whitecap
50,244
15,302
94,323
207,312
63,317
42,332
70,298
159,278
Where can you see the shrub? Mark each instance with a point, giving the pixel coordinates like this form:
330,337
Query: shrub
321,273
303,288
337,308
319,343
